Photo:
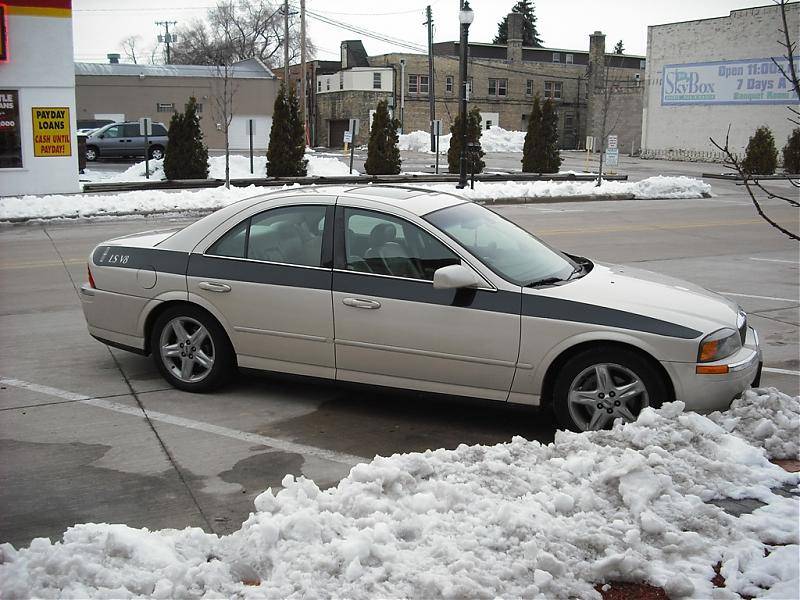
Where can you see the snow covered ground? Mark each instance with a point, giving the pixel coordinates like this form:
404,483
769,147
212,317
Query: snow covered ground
519,519
148,201
495,139
239,167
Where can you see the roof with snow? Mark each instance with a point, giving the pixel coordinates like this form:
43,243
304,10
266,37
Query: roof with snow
247,69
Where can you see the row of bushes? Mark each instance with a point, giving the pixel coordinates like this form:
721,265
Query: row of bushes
761,156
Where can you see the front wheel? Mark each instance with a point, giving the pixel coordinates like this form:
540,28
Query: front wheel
600,385
191,350
156,152
91,153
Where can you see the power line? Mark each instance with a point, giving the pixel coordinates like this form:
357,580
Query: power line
365,32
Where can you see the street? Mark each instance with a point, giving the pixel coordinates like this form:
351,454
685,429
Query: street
93,434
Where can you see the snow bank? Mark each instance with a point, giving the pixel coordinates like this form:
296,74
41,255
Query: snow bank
495,139
767,419
518,519
239,168
652,187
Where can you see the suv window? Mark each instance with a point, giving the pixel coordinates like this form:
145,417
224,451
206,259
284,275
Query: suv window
113,132
159,129
290,235
130,130
384,245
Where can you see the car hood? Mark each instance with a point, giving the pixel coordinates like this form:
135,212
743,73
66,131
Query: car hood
649,294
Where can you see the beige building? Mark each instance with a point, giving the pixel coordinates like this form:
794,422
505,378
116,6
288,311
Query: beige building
125,92
504,80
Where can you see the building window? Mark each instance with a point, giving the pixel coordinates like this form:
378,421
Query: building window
327,83
165,107
498,87
418,84
556,57
529,87
448,84
569,121
569,59
552,89
319,85
341,80
199,107
376,81
642,64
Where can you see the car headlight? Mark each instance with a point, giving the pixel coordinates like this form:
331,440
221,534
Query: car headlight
719,345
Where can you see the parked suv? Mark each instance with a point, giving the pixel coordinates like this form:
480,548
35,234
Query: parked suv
123,139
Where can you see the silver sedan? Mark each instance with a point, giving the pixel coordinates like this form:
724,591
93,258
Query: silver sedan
407,288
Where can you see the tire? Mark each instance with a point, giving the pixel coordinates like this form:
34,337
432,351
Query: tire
191,367
629,382
92,153
156,152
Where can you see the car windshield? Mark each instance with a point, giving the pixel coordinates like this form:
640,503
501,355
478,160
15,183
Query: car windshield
505,248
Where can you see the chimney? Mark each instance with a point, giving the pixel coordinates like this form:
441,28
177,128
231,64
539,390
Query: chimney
113,59
514,49
597,57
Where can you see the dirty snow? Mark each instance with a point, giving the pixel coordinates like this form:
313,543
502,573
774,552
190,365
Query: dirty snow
495,139
147,201
767,419
519,519
318,166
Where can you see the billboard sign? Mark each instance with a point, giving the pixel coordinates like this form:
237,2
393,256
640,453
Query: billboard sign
741,82
51,131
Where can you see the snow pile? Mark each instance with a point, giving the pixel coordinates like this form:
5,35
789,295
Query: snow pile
495,139
519,519
124,203
765,418
239,168
652,187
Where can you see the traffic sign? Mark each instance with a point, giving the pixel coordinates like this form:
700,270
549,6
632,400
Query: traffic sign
348,137
612,157
354,126
612,141
146,126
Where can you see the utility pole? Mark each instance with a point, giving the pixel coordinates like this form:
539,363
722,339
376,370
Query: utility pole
431,93
167,39
286,44
303,106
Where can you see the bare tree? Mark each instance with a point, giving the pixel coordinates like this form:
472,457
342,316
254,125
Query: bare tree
223,91
608,89
245,28
750,181
130,46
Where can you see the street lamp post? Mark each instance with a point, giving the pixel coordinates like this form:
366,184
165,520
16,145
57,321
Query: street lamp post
465,17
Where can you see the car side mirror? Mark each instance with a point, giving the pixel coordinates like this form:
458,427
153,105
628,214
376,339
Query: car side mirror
101,136
455,277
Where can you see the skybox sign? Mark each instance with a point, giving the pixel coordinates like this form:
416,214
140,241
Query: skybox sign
751,81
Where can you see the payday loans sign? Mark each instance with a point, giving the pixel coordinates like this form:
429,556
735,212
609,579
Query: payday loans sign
51,133
751,81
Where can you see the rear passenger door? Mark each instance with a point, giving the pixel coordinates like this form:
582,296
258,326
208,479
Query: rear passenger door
134,143
268,276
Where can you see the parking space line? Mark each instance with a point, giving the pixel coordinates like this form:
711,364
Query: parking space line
245,436
758,297
781,371
777,260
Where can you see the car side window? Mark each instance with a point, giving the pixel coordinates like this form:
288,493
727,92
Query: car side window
385,245
113,132
131,130
159,129
290,235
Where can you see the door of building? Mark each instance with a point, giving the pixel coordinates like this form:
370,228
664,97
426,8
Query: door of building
336,129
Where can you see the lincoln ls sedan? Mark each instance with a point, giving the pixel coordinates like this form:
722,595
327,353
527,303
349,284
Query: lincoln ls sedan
408,288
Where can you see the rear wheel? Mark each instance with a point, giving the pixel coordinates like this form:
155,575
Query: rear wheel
600,385
191,350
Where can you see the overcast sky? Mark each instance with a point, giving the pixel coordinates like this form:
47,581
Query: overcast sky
100,25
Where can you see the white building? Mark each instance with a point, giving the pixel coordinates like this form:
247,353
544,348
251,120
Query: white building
38,143
705,75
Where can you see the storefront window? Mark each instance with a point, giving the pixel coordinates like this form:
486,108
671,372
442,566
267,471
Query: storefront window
10,135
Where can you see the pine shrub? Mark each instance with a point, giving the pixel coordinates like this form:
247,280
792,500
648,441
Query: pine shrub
791,152
552,156
186,156
761,157
383,155
533,149
475,162
287,143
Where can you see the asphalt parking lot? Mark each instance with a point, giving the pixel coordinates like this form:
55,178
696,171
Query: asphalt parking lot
89,433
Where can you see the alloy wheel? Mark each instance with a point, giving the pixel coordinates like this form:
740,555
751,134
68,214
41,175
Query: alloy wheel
604,392
187,350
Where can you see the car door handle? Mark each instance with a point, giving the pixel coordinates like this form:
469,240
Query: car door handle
213,286
361,303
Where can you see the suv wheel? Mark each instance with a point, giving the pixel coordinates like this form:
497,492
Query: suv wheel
91,153
156,152
191,350
600,385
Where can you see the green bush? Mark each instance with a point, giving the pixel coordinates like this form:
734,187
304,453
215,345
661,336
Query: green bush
186,156
533,149
287,140
761,157
552,157
383,156
475,163
791,152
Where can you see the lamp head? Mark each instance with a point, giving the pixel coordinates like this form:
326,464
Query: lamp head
466,14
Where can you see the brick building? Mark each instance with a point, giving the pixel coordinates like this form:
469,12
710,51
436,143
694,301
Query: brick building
504,80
